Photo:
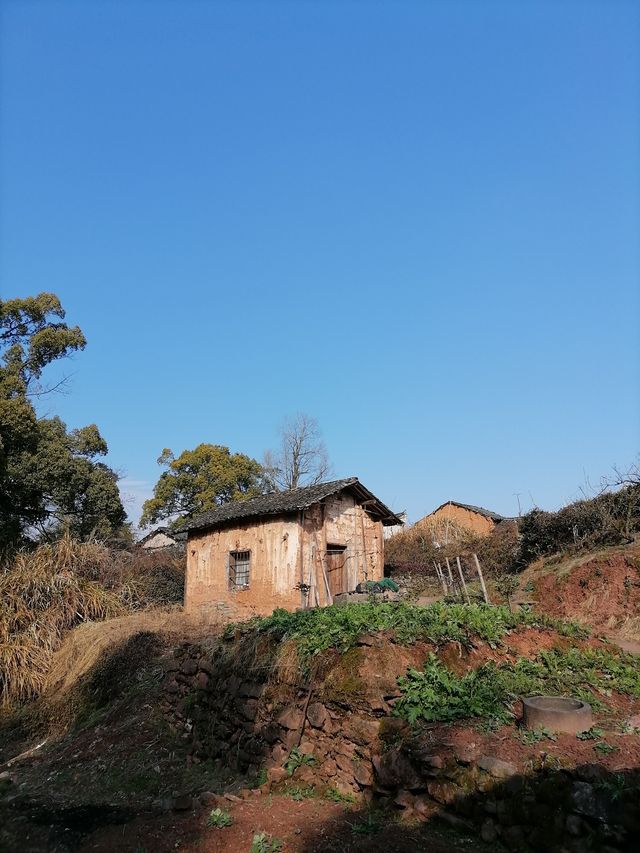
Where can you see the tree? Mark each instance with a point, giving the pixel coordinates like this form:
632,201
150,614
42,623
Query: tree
301,459
50,479
199,480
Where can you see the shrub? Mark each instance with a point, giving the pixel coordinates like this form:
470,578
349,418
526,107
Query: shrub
611,518
47,591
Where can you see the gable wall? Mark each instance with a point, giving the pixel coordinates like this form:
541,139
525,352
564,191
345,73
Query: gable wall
474,521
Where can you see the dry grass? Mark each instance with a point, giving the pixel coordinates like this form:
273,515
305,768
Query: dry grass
46,592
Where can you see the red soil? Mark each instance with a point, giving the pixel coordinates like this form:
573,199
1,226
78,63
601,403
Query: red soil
602,592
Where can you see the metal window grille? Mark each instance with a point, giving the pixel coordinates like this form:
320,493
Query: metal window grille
239,565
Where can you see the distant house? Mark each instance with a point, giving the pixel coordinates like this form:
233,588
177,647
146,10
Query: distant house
161,538
290,549
392,529
451,517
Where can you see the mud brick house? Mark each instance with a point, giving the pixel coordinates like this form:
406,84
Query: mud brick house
286,549
451,516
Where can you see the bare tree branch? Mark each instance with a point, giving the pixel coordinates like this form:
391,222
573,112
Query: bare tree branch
301,459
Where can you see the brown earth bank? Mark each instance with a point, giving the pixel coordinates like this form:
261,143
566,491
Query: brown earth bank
601,590
161,732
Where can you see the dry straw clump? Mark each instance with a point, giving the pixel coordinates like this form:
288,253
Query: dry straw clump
46,592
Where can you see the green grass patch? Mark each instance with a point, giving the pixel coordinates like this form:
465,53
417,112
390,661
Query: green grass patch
438,694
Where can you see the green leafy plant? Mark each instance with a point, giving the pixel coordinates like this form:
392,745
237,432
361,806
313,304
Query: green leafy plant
531,736
369,826
336,796
318,629
300,792
590,734
264,843
219,819
604,748
297,759
437,693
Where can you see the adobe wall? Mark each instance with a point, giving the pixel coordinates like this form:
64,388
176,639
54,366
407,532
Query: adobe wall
459,516
275,569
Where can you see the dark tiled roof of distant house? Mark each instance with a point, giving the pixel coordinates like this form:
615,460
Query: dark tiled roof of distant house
294,500
177,536
487,513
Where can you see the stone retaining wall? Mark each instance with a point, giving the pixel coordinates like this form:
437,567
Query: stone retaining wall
249,725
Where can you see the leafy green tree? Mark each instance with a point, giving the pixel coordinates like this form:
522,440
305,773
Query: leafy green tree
50,479
199,480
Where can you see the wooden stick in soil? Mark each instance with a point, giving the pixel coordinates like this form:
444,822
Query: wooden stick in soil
439,576
304,715
484,589
446,559
462,581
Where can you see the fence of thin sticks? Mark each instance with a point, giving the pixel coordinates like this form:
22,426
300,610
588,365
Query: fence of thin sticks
453,581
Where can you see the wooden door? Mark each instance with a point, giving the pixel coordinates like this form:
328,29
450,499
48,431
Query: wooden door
335,560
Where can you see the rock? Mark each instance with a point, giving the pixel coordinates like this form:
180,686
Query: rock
172,686
248,709
489,831
404,799
271,732
206,666
361,730
513,837
423,805
573,824
317,715
252,689
466,753
363,773
344,763
329,768
279,753
307,775
189,667
208,798
433,762
276,774
232,798
394,770
634,722
443,792
181,803
586,802
496,767
203,680
290,719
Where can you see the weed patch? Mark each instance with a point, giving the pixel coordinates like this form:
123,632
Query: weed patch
314,631
437,694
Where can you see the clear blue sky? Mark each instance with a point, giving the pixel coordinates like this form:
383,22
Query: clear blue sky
418,222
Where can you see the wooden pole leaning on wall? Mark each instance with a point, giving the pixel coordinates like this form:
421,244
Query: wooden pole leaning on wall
484,589
462,581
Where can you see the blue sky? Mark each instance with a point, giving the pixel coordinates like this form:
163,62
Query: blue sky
416,221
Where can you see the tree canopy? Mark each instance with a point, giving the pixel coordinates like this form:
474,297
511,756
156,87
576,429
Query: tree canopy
50,478
199,480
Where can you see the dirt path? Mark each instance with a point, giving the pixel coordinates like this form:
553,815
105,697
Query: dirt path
302,827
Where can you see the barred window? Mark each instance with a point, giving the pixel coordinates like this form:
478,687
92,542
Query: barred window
239,565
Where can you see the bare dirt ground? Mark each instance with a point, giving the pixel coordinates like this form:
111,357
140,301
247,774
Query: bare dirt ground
103,785
601,590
